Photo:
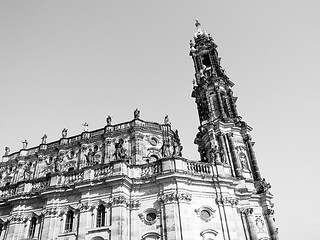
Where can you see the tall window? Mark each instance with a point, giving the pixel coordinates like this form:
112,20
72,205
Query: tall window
32,228
69,221
101,217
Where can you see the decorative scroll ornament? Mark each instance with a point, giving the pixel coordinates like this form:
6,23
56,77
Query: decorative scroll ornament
260,224
120,201
228,201
174,197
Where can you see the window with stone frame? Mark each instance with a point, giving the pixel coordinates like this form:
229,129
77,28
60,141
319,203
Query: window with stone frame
32,227
101,216
69,221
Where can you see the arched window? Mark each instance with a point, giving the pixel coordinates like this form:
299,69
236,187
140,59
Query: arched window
69,221
32,228
101,216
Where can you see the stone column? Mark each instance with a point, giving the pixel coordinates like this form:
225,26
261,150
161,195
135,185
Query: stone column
225,153
273,231
169,213
185,209
119,218
83,218
253,162
250,223
235,161
223,114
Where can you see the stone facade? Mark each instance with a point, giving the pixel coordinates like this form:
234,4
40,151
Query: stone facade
129,181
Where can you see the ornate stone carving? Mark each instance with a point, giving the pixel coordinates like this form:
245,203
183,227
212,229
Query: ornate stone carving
263,186
136,114
120,201
177,148
260,224
174,197
247,211
44,139
268,212
6,151
120,152
228,201
109,120
64,133
134,204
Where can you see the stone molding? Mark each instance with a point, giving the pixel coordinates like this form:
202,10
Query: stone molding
175,197
227,201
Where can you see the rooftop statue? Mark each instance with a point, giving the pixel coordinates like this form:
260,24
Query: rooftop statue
64,133
85,125
136,113
44,139
24,144
109,119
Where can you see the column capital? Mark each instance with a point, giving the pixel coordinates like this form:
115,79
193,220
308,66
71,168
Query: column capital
247,211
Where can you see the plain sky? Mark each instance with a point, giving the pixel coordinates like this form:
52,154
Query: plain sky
63,63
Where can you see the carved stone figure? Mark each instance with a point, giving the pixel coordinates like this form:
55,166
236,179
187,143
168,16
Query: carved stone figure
85,125
243,161
24,144
165,149
120,152
264,186
109,119
6,151
89,157
177,148
44,139
136,114
166,120
64,133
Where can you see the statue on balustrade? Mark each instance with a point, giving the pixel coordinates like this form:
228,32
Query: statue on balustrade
64,133
6,151
136,113
44,139
120,152
177,148
109,119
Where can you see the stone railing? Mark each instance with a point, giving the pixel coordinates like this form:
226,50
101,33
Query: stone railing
107,171
73,177
103,171
150,169
199,168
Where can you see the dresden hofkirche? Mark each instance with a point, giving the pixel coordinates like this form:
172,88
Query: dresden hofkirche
130,181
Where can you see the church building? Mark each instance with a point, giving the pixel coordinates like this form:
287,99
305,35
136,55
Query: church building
130,181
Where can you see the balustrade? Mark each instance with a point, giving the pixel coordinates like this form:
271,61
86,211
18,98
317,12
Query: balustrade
199,168
72,178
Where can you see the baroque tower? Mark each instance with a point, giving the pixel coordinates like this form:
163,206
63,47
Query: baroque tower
129,181
224,141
